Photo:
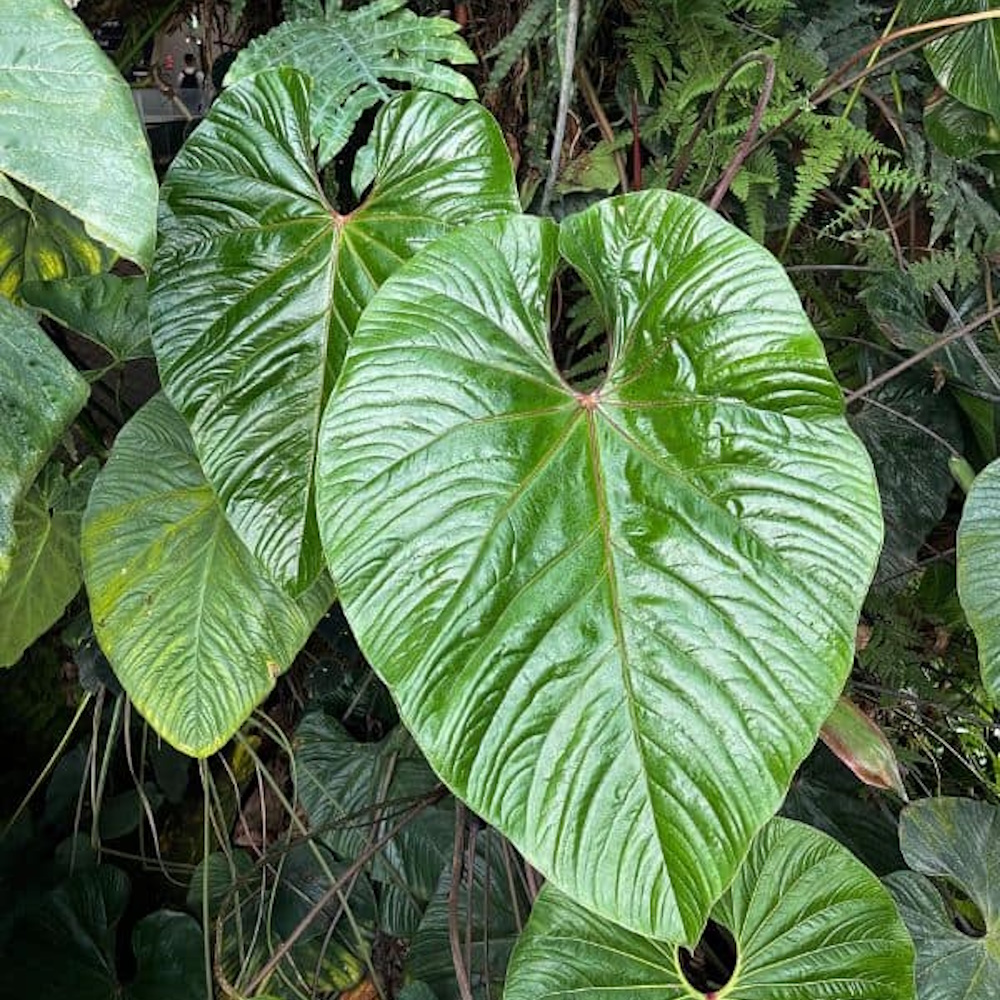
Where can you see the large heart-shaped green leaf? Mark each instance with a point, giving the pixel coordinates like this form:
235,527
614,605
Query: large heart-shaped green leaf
351,790
259,282
40,394
808,920
608,618
959,840
43,242
69,129
979,571
46,562
352,55
194,630
965,62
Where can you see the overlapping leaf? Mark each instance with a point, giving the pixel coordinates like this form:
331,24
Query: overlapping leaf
355,57
613,621
69,128
46,573
808,919
352,792
979,571
40,394
957,840
492,906
65,946
43,242
912,469
259,282
966,62
194,630
109,310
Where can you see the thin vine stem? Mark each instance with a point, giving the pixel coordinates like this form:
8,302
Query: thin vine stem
454,937
830,87
684,158
922,355
751,133
337,887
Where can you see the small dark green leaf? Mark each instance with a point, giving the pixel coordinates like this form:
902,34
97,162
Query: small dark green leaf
352,792
65,946
495,908
808,919
45,574
912,468
43,242
959,841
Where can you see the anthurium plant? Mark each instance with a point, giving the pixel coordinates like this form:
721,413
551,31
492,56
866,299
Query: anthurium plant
613,616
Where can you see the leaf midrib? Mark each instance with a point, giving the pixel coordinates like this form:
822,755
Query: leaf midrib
611,572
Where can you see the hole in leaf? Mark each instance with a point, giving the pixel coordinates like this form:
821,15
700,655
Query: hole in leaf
711,965
965,915
579,337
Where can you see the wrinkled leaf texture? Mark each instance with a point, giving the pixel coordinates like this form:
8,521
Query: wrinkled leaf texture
40,394
965,62
615,622
46,570
809,921
978,548
259,282
69,128
194,630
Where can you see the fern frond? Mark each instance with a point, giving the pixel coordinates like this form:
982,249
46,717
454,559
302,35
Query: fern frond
513,45
351,57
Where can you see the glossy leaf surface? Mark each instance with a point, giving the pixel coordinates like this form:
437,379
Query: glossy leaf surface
979,571
109,310
45,574
594,611
259,282
354,58
961,131
966,62
69,128
40,394
809,921
958,840
43,242
194,630
353,792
